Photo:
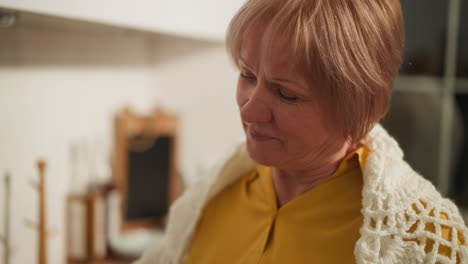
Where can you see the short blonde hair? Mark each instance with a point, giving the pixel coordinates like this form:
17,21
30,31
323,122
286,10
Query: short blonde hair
351,49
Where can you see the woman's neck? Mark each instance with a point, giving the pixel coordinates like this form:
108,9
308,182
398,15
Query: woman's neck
291,183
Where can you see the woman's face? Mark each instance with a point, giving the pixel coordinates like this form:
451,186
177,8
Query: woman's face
282,119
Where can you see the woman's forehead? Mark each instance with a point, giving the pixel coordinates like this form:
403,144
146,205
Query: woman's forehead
264,48
274,61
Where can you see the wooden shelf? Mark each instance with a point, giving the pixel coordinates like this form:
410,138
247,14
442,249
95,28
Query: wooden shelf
204,20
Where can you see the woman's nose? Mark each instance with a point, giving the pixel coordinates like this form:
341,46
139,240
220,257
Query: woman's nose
255,107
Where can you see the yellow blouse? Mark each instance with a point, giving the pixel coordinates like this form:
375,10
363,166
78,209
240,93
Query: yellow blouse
242,224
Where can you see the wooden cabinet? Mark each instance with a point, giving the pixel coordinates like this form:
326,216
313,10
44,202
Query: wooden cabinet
202,19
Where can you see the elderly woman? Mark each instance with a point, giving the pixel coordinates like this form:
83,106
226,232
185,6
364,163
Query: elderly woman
317,179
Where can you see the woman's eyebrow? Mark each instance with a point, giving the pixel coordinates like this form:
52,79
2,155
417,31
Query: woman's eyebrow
296,84
284,80
243,62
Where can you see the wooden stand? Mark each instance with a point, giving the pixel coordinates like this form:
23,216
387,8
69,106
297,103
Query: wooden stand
86,234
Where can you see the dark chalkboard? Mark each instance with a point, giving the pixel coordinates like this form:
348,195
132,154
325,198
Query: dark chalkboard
148,177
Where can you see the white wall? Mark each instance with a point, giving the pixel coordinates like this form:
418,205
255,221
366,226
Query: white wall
62,85
199,81
42,115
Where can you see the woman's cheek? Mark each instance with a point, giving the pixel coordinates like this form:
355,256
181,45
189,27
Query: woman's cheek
241,95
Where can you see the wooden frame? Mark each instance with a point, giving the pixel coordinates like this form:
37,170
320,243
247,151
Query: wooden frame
127,124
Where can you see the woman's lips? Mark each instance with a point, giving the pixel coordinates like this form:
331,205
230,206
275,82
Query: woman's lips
258,136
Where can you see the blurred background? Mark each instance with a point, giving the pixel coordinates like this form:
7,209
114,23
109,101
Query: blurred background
84,84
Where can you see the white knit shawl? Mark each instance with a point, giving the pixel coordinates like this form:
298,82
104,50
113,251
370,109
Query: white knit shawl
395,200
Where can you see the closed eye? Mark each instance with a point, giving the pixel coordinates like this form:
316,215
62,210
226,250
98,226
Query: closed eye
282,92
247,77
286,95
288,98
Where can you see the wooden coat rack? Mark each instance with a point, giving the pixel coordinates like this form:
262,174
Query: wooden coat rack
41,226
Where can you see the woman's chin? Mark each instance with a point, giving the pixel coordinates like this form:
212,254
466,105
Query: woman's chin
261,155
